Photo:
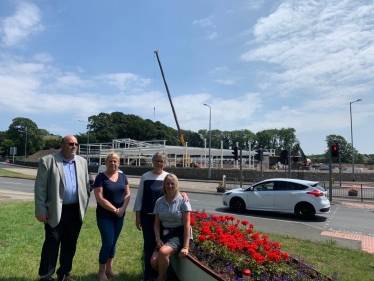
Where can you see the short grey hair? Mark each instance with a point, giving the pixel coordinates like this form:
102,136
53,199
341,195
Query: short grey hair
161,154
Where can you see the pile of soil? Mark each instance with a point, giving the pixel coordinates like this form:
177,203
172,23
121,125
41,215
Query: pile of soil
41,153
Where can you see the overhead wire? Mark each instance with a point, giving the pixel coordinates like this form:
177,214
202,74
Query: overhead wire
154,87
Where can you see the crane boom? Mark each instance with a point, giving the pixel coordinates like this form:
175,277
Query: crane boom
181,139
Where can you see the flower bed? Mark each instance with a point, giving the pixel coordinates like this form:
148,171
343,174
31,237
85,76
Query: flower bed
353,192
228,246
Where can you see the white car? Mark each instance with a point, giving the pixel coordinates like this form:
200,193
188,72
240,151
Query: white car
304,198
102,169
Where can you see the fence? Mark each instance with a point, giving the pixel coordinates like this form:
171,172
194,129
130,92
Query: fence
364,191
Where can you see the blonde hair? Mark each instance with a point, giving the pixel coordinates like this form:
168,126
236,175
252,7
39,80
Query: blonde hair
113,155
176,183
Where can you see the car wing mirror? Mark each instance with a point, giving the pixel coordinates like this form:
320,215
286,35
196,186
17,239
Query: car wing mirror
251,188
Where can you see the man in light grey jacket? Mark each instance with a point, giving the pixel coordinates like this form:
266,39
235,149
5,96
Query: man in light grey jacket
62,192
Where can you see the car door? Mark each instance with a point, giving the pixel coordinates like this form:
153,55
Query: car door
286,196
262,196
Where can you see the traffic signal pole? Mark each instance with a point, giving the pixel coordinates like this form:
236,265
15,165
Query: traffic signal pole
241,168
289,163
330,172
261,156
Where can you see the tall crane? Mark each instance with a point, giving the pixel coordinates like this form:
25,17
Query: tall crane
181,139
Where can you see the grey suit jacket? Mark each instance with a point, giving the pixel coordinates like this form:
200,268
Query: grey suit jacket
50,186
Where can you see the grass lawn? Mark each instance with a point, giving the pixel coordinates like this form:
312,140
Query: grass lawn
21,237
11,174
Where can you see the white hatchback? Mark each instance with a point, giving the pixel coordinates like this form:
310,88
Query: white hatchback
102,169
304,198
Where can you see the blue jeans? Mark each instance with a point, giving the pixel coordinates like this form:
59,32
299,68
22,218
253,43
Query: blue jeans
110,229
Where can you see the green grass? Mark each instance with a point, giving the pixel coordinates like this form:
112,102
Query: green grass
10,174
21,238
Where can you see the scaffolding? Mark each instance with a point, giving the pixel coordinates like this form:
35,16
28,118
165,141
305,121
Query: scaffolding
139,153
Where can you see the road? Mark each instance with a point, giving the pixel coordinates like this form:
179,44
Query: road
342,218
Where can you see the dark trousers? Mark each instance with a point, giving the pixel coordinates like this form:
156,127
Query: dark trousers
110,230
147,222
64,235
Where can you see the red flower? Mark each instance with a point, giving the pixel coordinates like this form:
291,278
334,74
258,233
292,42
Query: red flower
202,238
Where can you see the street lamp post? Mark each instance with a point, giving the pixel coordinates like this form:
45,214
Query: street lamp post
88,139
210,138
353,152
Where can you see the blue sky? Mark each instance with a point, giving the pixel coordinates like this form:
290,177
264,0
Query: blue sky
258,64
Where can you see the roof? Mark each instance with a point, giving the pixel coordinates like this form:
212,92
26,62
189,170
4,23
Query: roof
129,147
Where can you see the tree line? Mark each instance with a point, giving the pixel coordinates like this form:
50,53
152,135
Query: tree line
23,133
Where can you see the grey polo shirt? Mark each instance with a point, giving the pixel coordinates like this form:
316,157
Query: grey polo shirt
171,214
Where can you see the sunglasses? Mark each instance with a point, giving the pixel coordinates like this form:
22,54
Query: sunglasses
73,144
158,161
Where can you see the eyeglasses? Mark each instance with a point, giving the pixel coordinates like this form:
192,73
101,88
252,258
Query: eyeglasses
158,161
73,144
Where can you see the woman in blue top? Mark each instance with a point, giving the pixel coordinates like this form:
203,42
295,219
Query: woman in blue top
171,227
112,194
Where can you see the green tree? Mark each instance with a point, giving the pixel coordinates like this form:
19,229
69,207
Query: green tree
52,143
6,144
25,134
345,148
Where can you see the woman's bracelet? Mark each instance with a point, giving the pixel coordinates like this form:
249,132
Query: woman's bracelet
157,239
185,248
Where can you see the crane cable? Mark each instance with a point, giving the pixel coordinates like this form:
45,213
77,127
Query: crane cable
154,87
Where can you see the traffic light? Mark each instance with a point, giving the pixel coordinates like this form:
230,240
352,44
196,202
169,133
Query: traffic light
259,155
283,156
235,152
335,150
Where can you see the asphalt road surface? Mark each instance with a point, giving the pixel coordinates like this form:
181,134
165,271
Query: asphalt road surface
341,218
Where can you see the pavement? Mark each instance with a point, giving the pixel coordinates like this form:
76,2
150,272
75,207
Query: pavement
205,187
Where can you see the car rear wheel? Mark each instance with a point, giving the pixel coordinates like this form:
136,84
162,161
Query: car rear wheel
305,210
237,205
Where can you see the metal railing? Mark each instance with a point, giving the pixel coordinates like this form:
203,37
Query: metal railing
364,191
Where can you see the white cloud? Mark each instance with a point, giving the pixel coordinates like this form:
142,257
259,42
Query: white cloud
24,22
213,36
256,4
124,80
69,79
43,57
207,22
317,45
218,70
226,81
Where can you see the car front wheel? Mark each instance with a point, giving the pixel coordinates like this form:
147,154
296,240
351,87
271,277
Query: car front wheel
237,205
305,210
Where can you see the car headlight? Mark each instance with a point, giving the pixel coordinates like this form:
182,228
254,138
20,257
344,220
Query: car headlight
227,193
